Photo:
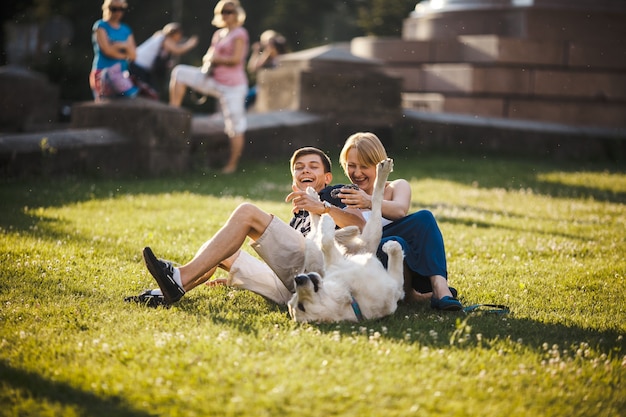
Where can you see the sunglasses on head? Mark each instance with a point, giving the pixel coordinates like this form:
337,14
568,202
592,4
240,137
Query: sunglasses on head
117,9
228,11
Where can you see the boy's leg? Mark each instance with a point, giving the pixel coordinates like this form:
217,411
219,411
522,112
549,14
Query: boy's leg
246,221
250,273
283,249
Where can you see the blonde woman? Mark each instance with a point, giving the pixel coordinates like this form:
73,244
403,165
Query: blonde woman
113,46
223,75
425,273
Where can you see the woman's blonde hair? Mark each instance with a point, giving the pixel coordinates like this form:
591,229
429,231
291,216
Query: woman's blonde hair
218,21
106,13
369,149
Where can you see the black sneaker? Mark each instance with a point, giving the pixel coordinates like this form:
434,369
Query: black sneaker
163,273
147,299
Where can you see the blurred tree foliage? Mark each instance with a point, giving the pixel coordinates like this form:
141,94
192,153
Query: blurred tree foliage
305,24
383,17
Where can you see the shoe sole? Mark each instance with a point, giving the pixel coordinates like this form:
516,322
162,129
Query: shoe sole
165,283
153,301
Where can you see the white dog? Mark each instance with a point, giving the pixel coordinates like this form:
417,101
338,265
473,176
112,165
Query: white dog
351,284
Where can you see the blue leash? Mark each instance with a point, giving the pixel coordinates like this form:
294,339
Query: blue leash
499,309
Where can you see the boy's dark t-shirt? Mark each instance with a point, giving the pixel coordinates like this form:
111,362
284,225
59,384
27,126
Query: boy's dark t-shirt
301,221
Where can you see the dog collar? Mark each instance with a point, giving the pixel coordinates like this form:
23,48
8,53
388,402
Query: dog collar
357,309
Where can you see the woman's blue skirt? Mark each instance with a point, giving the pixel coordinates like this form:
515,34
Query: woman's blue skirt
423,247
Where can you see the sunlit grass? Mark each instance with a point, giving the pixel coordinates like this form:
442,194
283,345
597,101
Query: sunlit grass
604,180
546,239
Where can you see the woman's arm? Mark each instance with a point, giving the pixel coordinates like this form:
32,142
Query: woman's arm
116,50
259,58
112,50
131,48
176,48
397,199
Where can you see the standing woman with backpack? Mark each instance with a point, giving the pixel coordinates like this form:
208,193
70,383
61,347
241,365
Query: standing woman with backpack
223,75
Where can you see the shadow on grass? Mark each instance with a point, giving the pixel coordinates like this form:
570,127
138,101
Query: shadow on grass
240,310
33,385
436,329
265,182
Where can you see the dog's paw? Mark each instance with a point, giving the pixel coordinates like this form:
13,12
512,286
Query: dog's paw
311,192
385,166
393,248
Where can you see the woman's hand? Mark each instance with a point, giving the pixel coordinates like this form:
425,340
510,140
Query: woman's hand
357,199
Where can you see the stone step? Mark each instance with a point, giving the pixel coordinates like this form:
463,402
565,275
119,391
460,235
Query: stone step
511,81
97,151
270,136
535,22
571,112
492,49
520,138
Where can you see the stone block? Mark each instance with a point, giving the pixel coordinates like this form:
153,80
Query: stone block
475,106
343,96
608,54
160,134
410,76
469,79
575,24
270,136
338,95
278,89
427,102
100,152
333,83
576,113
447,51
451,24
609,86
542,22
392,50
28,101
486,135
499,50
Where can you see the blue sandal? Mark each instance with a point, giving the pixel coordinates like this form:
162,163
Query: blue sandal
446,303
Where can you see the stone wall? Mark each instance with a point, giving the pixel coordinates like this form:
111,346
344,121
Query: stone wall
332,82
159,135
542,60
28,101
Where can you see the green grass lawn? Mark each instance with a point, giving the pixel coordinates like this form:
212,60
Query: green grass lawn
547,239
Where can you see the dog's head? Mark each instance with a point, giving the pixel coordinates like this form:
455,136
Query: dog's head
315,302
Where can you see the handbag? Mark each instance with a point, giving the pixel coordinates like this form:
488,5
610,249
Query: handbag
118,81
